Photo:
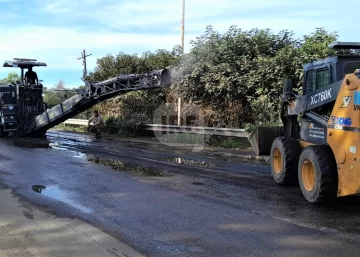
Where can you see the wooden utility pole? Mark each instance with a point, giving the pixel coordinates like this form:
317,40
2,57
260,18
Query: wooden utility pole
182,49
182,25
83,56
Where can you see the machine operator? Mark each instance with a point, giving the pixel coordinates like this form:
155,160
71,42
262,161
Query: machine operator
98,123
31,77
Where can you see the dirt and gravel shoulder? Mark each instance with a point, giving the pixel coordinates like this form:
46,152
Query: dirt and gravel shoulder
27,231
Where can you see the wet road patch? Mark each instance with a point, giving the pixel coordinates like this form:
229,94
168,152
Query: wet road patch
125,166
29,142
198,183
79,155
55,193
77,163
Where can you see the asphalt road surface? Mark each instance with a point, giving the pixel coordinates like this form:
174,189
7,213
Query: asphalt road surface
208,204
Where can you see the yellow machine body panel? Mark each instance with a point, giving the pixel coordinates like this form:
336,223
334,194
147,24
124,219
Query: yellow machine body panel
343,135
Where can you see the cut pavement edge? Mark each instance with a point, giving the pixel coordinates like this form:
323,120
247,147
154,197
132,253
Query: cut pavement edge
243,154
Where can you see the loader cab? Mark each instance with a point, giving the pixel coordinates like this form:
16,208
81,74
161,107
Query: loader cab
321,73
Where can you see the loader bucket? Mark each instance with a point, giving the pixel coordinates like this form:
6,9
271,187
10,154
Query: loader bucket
262,138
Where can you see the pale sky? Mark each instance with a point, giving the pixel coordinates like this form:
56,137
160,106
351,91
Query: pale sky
57,31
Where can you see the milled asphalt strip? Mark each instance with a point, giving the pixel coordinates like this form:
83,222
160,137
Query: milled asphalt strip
247,157
26,231
202,174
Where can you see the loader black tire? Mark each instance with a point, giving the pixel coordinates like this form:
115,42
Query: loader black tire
284,158
317,174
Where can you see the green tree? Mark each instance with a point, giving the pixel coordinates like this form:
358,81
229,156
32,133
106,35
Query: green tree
238,76
141,104
235,77
11,77
57,94
231,70
315,46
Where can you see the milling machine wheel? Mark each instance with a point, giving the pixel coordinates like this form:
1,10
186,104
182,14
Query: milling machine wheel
317,174
284,157
3,133
39,134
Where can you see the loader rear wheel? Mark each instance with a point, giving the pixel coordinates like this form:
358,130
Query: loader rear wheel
284,158
317,174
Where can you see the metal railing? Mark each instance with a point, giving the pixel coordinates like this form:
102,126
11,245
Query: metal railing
230,132
79,122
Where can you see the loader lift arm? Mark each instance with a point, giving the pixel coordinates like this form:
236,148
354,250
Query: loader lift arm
306,106
93,93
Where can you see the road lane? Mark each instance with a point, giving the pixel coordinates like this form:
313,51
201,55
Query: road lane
183,215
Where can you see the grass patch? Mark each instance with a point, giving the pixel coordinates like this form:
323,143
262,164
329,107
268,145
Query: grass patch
229,142
71,128
125,166
184,138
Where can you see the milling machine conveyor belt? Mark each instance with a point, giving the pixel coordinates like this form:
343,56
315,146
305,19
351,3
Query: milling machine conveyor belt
95,92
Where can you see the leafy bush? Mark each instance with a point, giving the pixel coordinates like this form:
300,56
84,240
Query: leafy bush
235,78
129,125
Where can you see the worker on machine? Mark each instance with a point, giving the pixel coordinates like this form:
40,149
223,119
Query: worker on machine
98,123
31,77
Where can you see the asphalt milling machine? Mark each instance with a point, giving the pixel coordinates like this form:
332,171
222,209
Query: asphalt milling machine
316,147
23,111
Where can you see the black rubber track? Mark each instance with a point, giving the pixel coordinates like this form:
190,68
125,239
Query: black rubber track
290,150
326,179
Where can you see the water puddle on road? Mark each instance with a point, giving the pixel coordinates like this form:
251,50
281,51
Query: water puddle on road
76,153
57,147
71,137
188,162
80,155
55,193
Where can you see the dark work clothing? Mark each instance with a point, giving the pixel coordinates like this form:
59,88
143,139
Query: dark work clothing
31,77
95,129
